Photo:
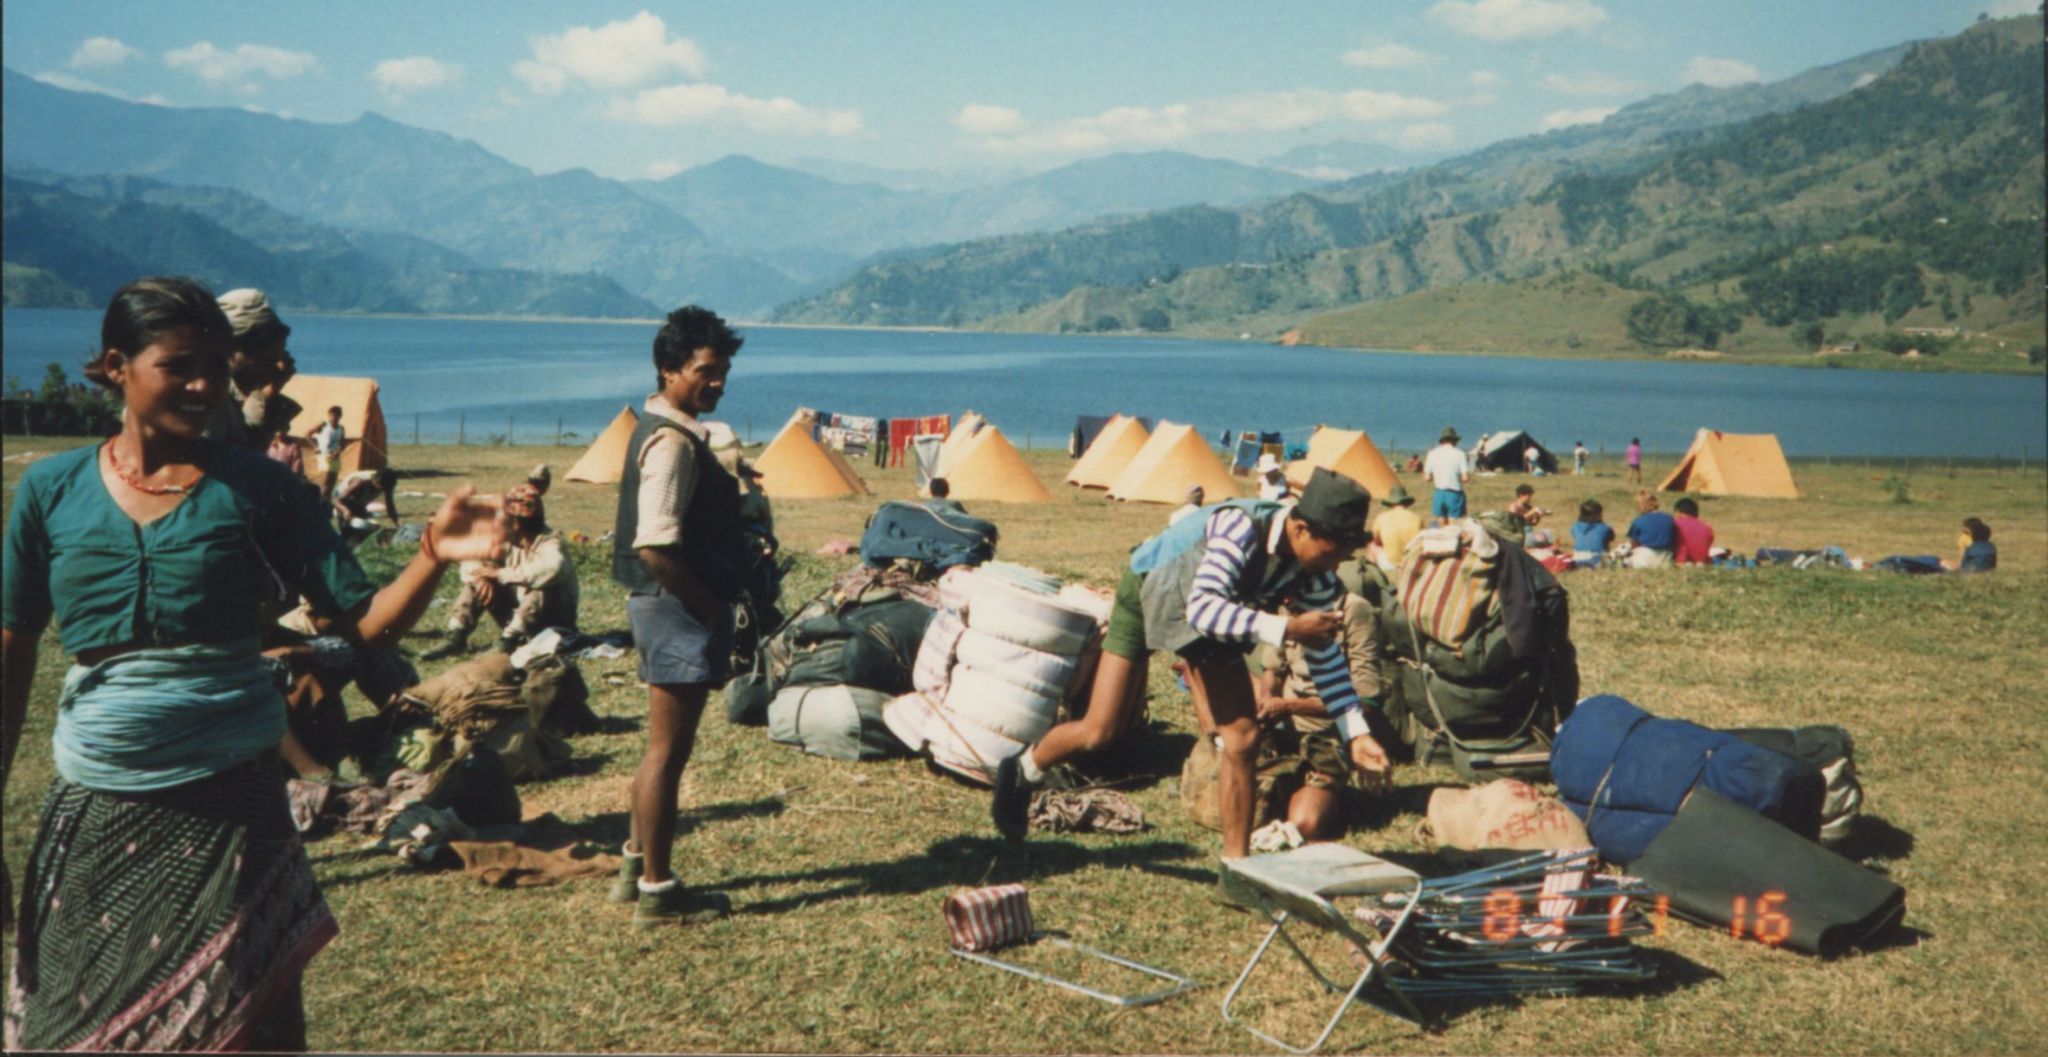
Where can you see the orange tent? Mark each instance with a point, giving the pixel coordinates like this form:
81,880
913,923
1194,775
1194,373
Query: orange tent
1113,449
1346,451
794,466
989,467
1734,464
605,459
1171,461
362,417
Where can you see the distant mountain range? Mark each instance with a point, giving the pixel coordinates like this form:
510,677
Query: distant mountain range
737,233
1002,277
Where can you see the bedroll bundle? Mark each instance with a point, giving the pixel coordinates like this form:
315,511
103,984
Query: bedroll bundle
1008,646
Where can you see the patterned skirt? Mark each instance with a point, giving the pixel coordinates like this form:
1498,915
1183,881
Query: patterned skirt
172,920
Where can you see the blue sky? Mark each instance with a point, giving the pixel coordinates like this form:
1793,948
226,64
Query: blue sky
646,89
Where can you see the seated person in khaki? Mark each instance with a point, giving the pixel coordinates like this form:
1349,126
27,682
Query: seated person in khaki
532,588
1302,770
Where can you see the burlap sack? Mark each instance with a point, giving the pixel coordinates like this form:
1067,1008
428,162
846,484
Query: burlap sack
1503,814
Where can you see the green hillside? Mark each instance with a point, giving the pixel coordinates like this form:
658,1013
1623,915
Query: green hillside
1914,202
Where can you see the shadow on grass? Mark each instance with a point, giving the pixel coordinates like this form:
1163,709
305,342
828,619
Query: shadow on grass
612,829
581,765
1871,837
957,861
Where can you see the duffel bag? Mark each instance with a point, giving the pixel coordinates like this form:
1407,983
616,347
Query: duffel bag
837,722
937,540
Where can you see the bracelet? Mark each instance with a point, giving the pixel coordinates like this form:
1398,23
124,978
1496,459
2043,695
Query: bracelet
427,548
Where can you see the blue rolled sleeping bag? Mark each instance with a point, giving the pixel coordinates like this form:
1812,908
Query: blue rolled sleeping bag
1625,773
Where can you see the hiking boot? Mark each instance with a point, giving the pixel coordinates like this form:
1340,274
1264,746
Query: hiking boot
626,887
452,644
679,906
1010,805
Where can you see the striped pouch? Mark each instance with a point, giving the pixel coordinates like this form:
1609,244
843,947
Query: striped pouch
983,919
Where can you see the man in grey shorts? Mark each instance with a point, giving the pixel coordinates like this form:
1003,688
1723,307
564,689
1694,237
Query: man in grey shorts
679,550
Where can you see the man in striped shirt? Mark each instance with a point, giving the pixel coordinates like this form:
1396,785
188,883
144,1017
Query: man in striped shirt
1211,589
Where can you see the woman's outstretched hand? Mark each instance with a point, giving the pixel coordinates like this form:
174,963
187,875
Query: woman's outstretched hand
467,528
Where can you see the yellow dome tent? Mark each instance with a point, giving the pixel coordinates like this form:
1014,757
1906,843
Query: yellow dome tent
362,418
1734,464
1346,451
989,467
794,466
605,459
956,441
1114,448
1171,461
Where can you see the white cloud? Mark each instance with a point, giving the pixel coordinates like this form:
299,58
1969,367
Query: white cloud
1591,115
1720,73
398,78
711,104
1255,112
980,119
1387,56
1483,79
1499,20
615,55
101,51
662,170
1428,135
1589,84
2009,8
239,66
71,83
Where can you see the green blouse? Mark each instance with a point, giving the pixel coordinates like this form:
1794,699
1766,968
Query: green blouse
250,531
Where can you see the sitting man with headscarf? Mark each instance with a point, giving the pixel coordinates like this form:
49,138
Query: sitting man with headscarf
533,587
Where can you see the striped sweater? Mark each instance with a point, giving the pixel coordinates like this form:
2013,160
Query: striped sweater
1220,610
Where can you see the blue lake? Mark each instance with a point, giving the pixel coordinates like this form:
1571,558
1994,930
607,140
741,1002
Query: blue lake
483,376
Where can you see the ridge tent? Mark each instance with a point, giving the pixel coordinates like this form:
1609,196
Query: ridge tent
1173,459
1346,451
1113,449
362,417
956,442
1503,451
794,466
605,460
1734,464
989,467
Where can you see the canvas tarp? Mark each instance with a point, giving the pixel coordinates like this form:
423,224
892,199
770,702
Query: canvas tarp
362,417
794,466
1173,459
923,453
1249,445
1113,449
990,468
1734,464
1346,451
1503,450
605,459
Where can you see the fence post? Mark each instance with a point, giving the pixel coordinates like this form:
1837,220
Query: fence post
508,428
461,427
558,431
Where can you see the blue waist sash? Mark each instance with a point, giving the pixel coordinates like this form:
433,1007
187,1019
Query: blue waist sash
157,718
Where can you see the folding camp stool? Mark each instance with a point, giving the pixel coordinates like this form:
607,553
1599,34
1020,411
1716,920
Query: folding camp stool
987,919
1297,886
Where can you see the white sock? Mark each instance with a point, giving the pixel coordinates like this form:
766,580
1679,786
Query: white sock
655,889
1028,769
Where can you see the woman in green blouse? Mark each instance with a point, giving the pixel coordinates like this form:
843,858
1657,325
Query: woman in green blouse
167,902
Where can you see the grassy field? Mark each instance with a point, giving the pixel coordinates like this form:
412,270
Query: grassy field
837,870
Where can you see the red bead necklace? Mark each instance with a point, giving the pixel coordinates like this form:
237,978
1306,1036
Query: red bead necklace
136,482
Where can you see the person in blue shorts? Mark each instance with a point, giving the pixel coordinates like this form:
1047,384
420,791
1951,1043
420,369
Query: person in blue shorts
1448,469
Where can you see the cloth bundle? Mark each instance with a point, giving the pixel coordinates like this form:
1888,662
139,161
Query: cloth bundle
983,919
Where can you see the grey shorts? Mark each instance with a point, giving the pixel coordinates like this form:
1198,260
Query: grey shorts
676,650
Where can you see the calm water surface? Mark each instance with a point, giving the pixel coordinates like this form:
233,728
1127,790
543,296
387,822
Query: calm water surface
480,376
